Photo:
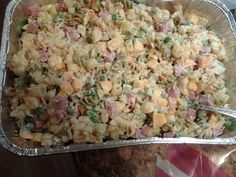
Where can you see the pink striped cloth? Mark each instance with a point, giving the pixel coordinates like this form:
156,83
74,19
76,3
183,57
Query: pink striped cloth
184,161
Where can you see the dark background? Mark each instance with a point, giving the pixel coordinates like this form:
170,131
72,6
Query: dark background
138,161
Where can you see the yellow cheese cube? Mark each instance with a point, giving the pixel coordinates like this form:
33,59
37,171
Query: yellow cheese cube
106,86
159,119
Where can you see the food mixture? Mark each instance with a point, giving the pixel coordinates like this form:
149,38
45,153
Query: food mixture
91,71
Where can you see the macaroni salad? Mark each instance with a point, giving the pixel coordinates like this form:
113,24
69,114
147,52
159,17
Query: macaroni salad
88,71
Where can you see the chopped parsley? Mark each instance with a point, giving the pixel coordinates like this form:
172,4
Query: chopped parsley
93,115
39,110
21,83
154,11
22,24
117,18
58,17
70,111
230,125
167,39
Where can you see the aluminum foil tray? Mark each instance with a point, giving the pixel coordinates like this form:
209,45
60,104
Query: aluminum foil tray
220,20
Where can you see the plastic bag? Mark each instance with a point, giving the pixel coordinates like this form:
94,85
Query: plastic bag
186,161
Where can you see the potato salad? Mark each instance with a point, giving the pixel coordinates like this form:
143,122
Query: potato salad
88,71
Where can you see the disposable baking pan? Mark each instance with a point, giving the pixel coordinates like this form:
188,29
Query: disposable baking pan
221,21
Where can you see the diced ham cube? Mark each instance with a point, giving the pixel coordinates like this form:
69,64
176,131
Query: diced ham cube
61,6
38,123
137,134
206,100
191,114
217,131
111,109
131,98
191,96
57,116
33,10
43,55
60,103
72,33
145,130
163,27
179,70
103,14
32,27
169,135
205,50
80,110
109,56
174,92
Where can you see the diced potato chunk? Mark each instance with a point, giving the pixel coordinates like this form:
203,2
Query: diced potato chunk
106,86
159,119
147,107
31,102
152,64
192,86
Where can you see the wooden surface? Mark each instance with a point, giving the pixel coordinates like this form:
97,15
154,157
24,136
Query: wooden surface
123,162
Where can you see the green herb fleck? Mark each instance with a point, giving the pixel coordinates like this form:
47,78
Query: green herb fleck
167,39
174,30
22,24
59,16
205,43
39,111
93,116
230,125
187,23
29,126
89,83
117,18
21,83
70,111
96,5
208,28
154,11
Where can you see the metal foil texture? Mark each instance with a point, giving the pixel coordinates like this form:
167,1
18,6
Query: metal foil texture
221,21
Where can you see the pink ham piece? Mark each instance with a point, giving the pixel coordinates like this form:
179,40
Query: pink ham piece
145,130
33,10
179,70
191,96
61,6
131,98
38,123
137,134
57,116
43,55
172,103
200,29
72,33
163,27
32,27
109,56
217,131
81,110
174,92
205,50
169,135
191,114
206,100
111,109
60,103
103,14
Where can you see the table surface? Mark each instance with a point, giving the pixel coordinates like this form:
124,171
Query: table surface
119,162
